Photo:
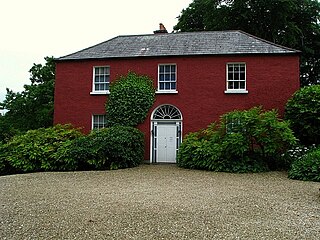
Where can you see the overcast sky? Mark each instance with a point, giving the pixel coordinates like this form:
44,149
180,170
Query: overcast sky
33,29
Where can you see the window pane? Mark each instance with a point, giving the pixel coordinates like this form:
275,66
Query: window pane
230,85
173,86
236,85
167,86
96,79
161,77
236,76
96,71
167,77
230,68
242,76
161,86
230,76
167,68
173,77
173,68
161,69
242,85
96,87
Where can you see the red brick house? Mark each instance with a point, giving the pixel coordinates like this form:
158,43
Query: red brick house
198,76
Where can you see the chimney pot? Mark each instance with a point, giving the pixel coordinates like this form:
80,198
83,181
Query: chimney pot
162,29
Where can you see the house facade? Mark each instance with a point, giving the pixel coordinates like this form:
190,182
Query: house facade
198,76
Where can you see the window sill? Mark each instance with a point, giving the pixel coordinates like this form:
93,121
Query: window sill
166,92
232,91
100,93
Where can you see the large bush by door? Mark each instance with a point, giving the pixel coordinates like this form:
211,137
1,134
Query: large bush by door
303,112
243,141
108,148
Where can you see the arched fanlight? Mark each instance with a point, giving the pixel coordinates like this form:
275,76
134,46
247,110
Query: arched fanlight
167,112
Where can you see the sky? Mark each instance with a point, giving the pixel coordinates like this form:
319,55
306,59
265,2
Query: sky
33,29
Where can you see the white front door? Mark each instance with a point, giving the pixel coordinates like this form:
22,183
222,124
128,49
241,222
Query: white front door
167,141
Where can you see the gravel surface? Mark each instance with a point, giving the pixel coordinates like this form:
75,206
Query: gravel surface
158,202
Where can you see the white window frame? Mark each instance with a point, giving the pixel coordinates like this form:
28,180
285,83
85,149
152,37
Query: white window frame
94,91
93,121
167,90
242,90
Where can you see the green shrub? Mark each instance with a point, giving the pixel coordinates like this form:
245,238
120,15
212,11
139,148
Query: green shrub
108,148
243,141
296,152
123,147
35,150
303,112
130,99
5,167
78,152
306,167
6,129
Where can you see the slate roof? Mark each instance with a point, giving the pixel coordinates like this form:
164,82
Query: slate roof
180,44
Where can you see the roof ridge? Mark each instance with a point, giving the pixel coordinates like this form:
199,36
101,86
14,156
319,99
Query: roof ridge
175,33
180,44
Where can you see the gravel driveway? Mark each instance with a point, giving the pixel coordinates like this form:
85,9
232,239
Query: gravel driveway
158,202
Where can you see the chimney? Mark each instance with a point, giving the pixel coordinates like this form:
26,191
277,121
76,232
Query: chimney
162,29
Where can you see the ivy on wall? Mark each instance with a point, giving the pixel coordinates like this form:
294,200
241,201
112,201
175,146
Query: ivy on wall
131,97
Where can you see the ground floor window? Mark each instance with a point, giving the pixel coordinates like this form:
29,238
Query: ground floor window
99,121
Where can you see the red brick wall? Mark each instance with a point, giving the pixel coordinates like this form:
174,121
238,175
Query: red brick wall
201,82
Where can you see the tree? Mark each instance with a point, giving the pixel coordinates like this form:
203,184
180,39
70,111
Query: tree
292,23
33,107
303,112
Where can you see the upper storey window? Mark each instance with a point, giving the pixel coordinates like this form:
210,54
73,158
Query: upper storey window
101,79
236,78
167,79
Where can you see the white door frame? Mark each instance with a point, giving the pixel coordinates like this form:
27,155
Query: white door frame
164,114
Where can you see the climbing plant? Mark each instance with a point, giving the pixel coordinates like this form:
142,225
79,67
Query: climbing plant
131,97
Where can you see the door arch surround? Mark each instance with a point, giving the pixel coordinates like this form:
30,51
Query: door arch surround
166,133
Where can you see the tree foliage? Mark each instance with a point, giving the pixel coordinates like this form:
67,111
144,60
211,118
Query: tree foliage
33,107
292,23
303,111
130,99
